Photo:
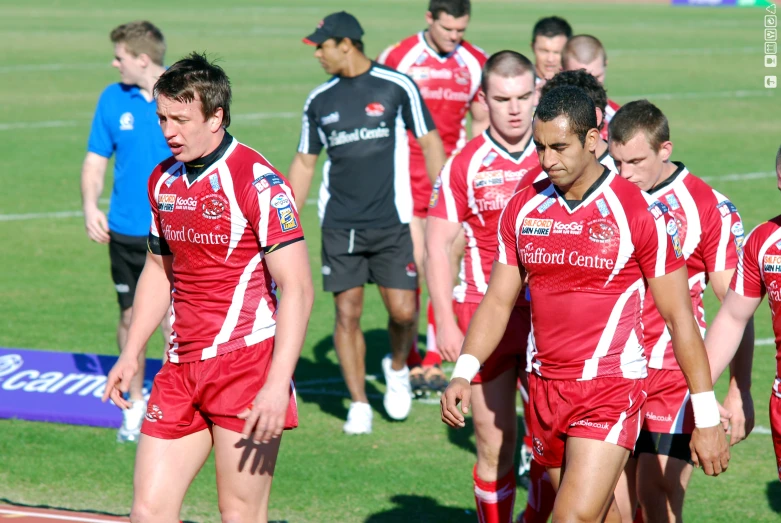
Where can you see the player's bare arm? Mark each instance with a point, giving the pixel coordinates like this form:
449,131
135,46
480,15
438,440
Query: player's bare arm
671,294
440,236
433,152
485,332
479,114
93,174
300,175
151,302
289,266
725,333
738,400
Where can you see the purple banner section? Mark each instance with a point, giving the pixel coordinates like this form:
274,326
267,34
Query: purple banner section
705,3
60,387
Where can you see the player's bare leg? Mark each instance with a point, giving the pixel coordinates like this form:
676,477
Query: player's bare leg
494,418
417,229
585,485
349,342
166,330
164,470
244,475
661,486
401,329
626,492
137,383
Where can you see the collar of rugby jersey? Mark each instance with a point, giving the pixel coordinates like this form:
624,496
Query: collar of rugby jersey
516,155
670,180
594,186
197,167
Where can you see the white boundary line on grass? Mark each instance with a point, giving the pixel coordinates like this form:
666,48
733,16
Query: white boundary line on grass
20,513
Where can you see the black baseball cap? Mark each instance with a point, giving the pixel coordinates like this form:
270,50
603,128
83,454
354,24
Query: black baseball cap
336,25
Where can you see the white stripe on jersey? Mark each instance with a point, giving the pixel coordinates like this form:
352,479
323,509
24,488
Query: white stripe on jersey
475,71
615,430
656,361
633,362
402,185
677,425
625,245
325,194
264,326
446,193
726,223
173,357
264,202
693,223
416,103
303,144
591,366
773,238
661,252
238,220
237,302
412,55
459,291
471,174
474,255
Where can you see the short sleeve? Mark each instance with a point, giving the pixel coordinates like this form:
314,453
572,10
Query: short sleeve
100,139
388,57
270,208
507,250
156,243
449,198
656,240
414,112
310,142
747,280
723,235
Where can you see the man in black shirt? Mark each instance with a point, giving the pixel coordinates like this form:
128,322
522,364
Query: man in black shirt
361,116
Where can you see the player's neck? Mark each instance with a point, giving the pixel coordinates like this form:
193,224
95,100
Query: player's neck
357,65
511,145
432,44
147,85
668,169
601,148
580,187
538,73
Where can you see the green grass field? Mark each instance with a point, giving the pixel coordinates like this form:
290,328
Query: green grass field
703,67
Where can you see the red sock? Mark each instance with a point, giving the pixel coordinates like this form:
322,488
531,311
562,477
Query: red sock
433,357
495,499
539,503
527,434
639,516
414,359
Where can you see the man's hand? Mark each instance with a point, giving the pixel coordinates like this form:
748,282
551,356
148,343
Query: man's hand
459,391
118,381
741,405
449,340
96,224
265,417
710,450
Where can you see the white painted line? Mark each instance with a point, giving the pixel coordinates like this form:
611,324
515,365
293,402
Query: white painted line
759,429
687,50
16,513
697,95
740,177
765,341
40,215
37,125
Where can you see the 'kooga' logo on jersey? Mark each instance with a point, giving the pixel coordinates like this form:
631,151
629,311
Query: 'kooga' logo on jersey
443,94
344,137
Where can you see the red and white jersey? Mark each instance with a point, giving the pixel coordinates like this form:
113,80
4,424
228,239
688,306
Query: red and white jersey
217,228
587,268
759,273
448,84
610,111
711,233
473,190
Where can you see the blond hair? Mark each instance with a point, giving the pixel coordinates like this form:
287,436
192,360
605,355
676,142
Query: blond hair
141,37
584,49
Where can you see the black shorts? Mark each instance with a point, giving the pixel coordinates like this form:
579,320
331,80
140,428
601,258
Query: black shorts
353,257
672,445
127,255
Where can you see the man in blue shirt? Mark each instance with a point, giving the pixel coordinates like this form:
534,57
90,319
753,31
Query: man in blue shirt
126,125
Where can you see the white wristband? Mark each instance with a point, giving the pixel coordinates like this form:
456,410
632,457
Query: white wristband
706,409
467,367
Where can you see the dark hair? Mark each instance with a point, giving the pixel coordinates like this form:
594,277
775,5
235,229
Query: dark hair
195,75
550,27
583,48
640,115
140,37
454,8
506,64
778,158
358,44
572,102
585,81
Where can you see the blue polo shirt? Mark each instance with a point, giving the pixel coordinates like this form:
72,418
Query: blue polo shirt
126,125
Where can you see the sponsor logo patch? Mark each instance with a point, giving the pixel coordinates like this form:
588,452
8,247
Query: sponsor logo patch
489,158
153,414
567,228
418,73
672,231
738,232
602,206
435,194
489,178
186,204
657,209
375,109
411,270
280,201
166,202
214,181
126,122
601,231
287,219
330,118
264,177
726,208
537,444
672,201
544,206
536,226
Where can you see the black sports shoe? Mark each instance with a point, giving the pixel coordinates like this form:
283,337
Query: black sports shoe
436,381
417,381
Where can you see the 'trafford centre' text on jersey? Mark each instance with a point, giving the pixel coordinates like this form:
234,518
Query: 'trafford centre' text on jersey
362,122
218,228
587,269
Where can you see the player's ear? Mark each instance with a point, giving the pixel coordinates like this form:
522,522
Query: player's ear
429,18
666,150
145,60
215,120
592,138
600,118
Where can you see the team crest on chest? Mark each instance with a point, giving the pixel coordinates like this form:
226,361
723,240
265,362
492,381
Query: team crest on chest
601,230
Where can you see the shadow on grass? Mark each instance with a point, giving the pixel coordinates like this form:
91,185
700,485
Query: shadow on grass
420,509
320,381
7,501
774,496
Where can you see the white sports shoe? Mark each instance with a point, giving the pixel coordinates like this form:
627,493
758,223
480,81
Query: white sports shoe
131,422
398,393
359,419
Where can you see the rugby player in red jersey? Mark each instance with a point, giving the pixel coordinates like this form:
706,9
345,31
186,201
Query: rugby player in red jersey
589,243
711,235
446,69
549,37
586,52
758,275
225,238
468,199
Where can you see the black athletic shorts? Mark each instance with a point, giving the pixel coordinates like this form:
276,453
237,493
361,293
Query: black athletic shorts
127,254
354,257
673,445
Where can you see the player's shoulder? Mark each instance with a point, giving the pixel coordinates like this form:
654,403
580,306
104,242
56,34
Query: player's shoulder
168,167
475,51
538,187
613,105
249,168
764,230
322,88
626,191
476,145
393,54
116,93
